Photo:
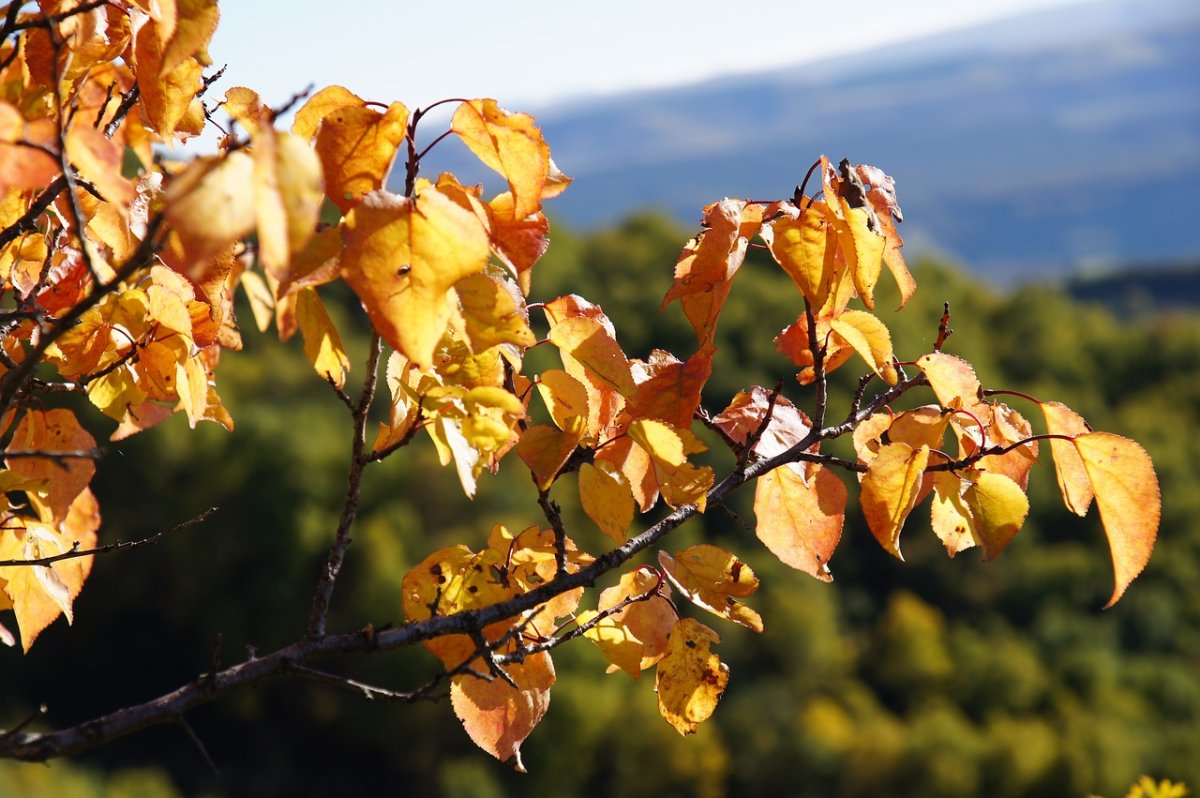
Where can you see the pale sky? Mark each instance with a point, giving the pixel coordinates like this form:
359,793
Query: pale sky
531,53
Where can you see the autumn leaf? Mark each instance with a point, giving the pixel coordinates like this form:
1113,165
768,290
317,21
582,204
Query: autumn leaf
744,415
509,143
498,716
616,641
493,312
691,679
589,343
890,490
953,379
870,339
356,146
565,397
52,431
605,496
668,389
679,481
998,509
714,579
40,594
402,258
798,242
546,449
649,620
322,344
209,207
800,511
1073,480
1127,493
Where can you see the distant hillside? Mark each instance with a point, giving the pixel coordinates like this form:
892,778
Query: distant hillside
1136,291
1025,147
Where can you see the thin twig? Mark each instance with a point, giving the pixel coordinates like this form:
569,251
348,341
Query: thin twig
111,547
195,738
358,461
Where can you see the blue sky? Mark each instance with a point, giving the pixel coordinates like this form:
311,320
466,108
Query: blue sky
535,52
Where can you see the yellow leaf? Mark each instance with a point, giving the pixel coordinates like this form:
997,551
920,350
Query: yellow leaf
800,511
194,25
998,509
497,716
605,496
870,339
1073,481
691,679
921,426
713,579
209,206
322,344
797,241
1130,503
616,641
866,262
679,481
288,192
191,381
356,146
565,397
509,143
650,621
321,105
493,313
950,516
588,341
953,379
890,490
402,257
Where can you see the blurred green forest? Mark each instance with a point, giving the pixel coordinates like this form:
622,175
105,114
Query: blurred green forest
926,678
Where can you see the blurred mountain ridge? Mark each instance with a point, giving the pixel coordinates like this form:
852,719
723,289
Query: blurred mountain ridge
1048,144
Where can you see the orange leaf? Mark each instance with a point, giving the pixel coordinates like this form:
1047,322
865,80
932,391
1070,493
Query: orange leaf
566,398
497,716
356,146
713,579
321,105
890,490
1130,503
1073,481
800,511
546,449
39,594
209,206
668,389
166,91
690,679
402,257
53,431
509,143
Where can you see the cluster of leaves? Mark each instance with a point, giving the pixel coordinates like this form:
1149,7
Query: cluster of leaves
120,286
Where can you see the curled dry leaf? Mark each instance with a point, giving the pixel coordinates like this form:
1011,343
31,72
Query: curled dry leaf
714,579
